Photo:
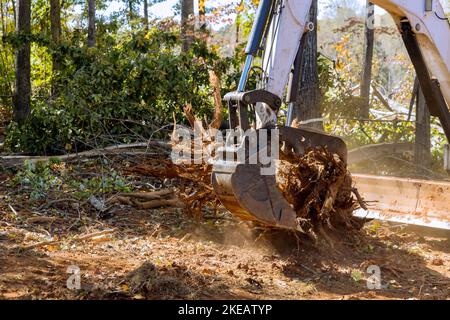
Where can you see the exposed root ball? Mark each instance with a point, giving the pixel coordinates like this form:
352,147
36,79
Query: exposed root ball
319,187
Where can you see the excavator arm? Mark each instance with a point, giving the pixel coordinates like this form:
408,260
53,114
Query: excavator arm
276,40
426,34
424,29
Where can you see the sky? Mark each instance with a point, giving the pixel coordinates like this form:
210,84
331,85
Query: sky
165,9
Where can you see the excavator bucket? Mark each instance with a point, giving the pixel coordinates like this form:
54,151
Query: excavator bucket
253,196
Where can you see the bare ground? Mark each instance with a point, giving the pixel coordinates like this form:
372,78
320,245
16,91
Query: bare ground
167,254
163,254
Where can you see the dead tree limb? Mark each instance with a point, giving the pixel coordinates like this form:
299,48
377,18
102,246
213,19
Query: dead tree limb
381,98
189,115
17,160
148,195
160,203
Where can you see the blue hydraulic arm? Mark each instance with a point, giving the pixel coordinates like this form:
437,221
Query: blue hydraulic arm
254,42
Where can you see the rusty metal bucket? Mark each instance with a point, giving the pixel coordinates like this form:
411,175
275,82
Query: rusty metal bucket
252,196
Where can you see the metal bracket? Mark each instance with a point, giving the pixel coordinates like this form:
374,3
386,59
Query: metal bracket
254,96
239,101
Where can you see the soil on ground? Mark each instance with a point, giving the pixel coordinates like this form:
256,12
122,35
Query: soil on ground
165,253
162,253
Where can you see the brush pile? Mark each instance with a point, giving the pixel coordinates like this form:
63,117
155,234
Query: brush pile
193,183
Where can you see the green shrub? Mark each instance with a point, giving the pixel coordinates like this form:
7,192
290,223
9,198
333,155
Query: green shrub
38,178
118,94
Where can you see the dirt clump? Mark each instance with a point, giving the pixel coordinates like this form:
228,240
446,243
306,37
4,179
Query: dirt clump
166,282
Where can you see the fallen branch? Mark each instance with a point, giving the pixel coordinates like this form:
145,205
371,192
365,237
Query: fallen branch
16,161
13,210
94,234
382,99
100,238
41,244
79,238
160,203
148,195
41,219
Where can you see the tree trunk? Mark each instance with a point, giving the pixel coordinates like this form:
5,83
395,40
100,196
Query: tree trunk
91,23
366,74
2,18
307,105
130,10
187,23
238,27
423,134
23,65
238,21
202,14
55,22
13,2
146,14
